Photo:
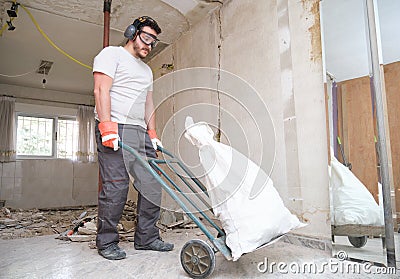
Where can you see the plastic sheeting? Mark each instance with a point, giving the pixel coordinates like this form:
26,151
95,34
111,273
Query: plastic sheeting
352,203
249,222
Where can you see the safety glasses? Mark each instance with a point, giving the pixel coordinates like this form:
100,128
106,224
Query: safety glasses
148,39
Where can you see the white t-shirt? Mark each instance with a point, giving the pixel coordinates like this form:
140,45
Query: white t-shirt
132,79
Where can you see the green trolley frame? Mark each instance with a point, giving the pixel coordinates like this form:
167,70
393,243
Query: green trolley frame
197,256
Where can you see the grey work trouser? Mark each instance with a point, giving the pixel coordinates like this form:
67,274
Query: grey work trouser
113,167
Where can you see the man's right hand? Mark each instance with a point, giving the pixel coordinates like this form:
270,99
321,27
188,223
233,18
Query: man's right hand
109,134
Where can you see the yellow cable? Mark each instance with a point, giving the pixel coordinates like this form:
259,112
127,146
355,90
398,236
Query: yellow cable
2,29
5,26
51,42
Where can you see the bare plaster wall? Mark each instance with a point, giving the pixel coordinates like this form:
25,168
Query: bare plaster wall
47,183
52,183
46,97
274,46
310,115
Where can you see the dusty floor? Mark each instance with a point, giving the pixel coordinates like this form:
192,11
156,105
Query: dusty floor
30,248
47,257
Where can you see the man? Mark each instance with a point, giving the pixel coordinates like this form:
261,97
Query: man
124,109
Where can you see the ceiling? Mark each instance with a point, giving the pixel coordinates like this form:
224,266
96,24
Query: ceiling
76,27
345,36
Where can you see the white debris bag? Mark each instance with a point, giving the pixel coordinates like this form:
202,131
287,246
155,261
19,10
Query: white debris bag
353,204
249,220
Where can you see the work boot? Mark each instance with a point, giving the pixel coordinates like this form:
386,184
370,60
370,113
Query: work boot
112,252
156,245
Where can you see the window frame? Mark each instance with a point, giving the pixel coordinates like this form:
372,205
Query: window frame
55,118
67,117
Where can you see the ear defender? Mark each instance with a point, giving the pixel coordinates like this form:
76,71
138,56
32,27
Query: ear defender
130,31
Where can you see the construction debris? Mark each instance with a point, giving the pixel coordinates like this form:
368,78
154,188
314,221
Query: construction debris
175,220
20,223
78,224
75,224
82,238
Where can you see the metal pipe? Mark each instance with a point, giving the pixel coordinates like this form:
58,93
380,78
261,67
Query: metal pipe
107,11
165,186
106,42
191,188
373,41
202,212
188,171
335,117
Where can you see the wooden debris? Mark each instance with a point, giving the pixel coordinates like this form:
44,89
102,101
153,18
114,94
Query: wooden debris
75,223
85,231
6,212
190,225
81,238
176,224
19,223
128,226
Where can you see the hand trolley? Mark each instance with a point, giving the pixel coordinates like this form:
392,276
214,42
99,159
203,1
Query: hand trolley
197,256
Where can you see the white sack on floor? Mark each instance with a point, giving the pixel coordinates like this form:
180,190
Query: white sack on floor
230,177
353,204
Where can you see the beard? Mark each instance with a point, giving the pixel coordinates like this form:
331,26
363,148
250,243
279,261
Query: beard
138,51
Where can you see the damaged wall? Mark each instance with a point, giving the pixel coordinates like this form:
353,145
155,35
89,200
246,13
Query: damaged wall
272,48
52,183
47,183
275,47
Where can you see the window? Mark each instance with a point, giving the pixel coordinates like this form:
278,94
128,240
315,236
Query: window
36,137
67,138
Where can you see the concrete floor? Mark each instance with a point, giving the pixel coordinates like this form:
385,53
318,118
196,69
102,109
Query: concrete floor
47,257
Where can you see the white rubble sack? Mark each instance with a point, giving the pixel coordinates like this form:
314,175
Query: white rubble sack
353,204
249,221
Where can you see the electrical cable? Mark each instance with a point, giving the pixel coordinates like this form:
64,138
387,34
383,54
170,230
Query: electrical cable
46,37
50,41
2,29
24,74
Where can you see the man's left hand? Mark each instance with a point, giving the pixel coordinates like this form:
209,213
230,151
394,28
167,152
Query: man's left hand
154,139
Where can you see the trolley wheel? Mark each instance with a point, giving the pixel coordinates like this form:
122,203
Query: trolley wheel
358,241
197,258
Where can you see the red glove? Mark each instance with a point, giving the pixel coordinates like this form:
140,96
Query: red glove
109,134
154,139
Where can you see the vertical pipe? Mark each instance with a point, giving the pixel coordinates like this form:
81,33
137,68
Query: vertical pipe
335,117
107,11
373,45
106,42
372,87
